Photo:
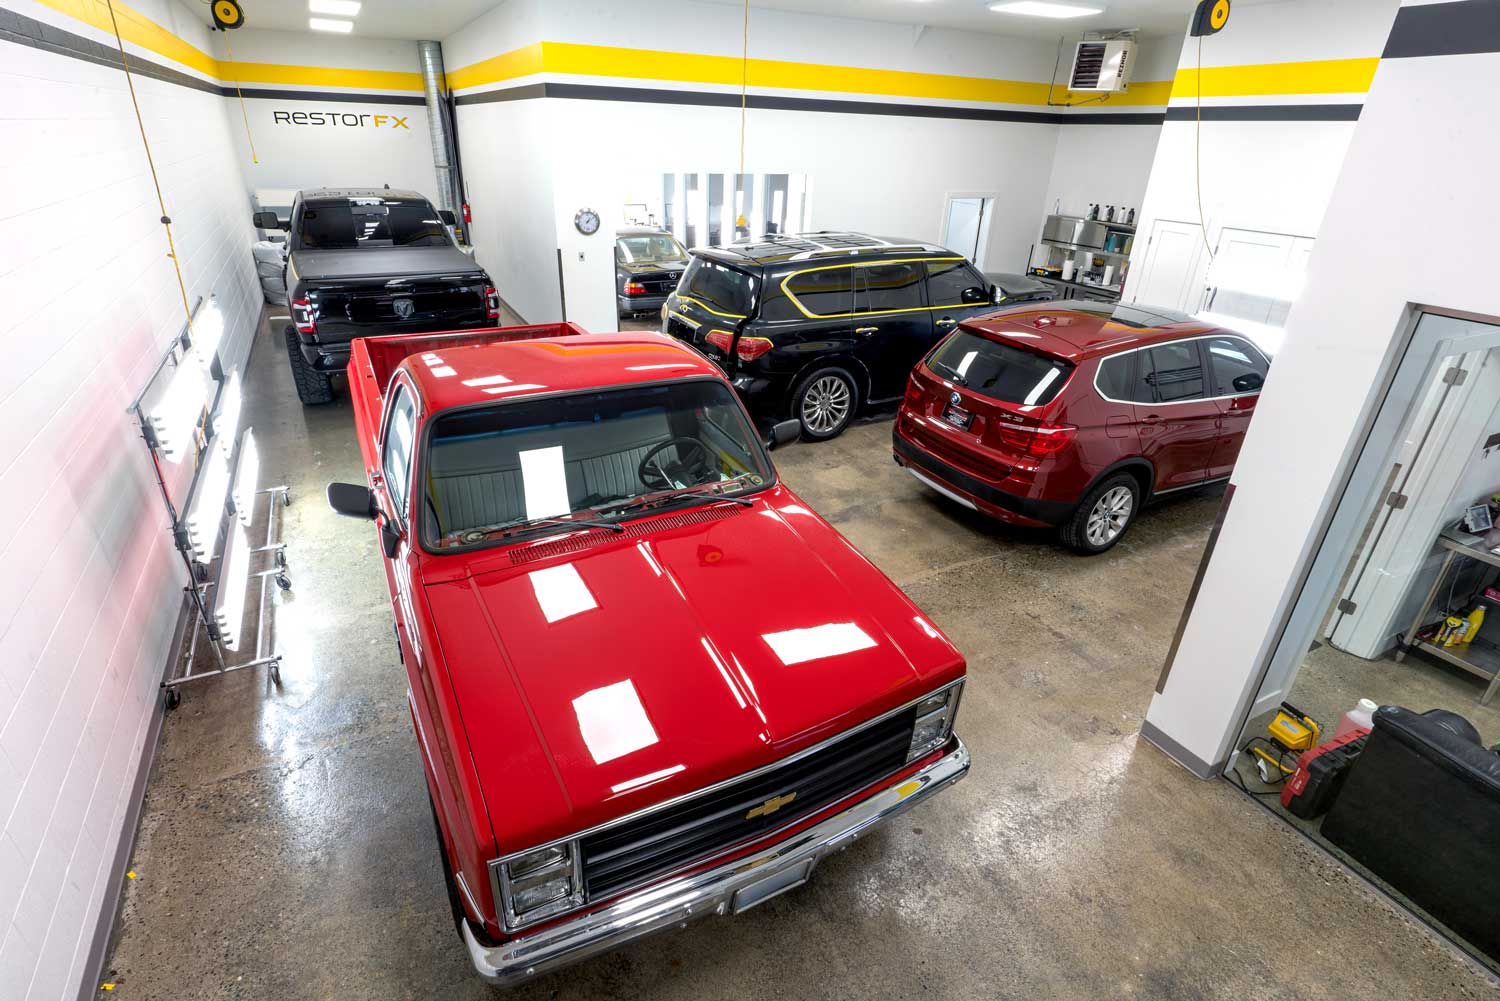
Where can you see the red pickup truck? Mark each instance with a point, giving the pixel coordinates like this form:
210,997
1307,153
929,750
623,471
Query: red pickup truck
648,682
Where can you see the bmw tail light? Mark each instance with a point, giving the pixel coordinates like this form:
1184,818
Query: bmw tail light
492,302
1037,439
302,316
913,390
634,288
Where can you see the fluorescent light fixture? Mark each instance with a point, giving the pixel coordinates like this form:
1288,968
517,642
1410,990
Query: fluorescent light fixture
797,646
561,592
246,480
324,24
208,506
339,8
176,415
234,578
1043,8
613,722
208,329
227,420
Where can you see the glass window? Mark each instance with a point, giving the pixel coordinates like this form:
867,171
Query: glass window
947,280
1177,372
1117,377
824,292
396,461
527,465
889,286
654,247
720,288
999,371
371,222
1237,367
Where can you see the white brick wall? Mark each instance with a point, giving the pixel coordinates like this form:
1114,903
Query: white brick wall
90,587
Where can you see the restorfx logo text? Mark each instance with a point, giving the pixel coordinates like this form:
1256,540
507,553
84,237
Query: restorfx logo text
344,119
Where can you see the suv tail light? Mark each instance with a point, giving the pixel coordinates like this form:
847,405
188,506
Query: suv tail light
491,302
634,288
913,390
302,316
1037,439
751,348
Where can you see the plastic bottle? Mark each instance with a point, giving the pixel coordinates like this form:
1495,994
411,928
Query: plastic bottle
1361,717
1476,619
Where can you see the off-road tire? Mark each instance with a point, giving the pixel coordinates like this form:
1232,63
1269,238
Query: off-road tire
313,387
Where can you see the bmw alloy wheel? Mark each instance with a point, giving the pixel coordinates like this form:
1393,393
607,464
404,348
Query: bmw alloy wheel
825,404
1110,515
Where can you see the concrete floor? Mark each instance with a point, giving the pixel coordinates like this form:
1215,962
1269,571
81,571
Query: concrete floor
287,850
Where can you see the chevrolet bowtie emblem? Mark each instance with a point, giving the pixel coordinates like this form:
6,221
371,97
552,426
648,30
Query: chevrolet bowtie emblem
771,805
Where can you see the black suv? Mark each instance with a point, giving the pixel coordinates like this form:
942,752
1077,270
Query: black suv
364,261
815,325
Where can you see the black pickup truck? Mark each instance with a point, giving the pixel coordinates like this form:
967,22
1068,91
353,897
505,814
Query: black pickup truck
364,261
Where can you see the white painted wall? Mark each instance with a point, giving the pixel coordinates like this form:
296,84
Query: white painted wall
302,154
90,591
1342,336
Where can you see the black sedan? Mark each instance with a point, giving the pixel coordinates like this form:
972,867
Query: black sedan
648,263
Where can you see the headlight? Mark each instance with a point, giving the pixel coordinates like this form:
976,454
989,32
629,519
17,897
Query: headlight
934,721
538,884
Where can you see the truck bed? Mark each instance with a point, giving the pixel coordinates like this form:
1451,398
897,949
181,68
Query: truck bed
338,266
374,360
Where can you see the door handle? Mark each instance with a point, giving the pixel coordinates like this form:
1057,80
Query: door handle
1152,419
946,321
865,330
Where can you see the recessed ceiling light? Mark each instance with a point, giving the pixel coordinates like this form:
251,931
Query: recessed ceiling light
324,24
1043,8
343,8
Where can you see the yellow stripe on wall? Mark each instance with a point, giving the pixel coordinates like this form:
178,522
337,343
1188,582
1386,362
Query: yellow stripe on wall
506,66
138,29
1324,76
319,76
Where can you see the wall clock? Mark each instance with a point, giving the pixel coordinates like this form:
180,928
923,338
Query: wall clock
586,222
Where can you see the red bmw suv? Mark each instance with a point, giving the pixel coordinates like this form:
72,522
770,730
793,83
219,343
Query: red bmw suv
1075,414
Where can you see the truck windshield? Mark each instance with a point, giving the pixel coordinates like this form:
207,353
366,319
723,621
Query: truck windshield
372,222
720,288
493,472
639,249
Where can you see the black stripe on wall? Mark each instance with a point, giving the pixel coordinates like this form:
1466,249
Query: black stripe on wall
1267,113
771,102
22,30
1445,29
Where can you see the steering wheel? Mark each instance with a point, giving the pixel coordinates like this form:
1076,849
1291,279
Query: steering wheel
659,475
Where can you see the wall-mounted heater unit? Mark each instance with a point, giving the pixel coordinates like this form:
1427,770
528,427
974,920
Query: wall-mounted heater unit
1102,65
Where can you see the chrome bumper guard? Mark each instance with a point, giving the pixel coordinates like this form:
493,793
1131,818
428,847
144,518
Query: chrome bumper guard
675,903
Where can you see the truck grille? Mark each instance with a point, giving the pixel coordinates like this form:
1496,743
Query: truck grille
634,852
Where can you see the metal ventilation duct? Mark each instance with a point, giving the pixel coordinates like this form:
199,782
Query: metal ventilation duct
435,87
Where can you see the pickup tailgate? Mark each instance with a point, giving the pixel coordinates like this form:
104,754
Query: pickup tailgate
374,359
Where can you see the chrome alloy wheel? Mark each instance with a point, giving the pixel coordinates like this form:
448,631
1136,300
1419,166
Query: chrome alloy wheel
825,404
1110,515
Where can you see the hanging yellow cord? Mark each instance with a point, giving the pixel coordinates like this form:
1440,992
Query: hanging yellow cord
744,80
243,113
151,162
1198,156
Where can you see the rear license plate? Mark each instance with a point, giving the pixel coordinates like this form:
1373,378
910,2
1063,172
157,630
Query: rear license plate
958,417
759,892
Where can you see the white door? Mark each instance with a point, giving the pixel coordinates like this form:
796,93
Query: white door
966,226
1172,274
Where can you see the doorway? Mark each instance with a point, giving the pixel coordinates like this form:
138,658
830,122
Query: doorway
966,226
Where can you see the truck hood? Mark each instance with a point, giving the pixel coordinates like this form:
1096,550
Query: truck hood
381,262
654,663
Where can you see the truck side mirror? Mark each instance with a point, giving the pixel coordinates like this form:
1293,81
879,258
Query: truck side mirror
784,433
997,294
352,499
267,220
449,219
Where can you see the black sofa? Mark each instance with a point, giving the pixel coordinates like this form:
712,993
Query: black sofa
1421,809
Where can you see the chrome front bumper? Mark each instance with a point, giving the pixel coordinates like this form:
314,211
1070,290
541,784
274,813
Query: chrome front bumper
675,903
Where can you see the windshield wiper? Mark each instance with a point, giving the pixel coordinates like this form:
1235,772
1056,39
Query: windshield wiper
957,376
711,491
504,531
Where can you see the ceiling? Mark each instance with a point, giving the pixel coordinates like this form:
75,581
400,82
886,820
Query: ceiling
434,19
1152,17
